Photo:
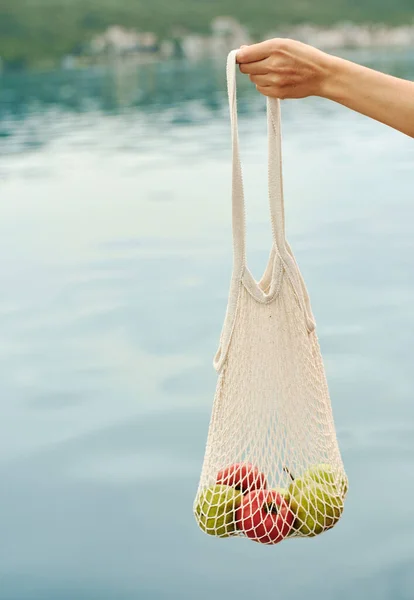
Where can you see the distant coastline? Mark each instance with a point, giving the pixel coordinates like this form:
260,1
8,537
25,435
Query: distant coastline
227,33
116,42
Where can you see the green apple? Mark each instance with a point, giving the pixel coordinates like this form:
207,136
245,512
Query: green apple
286,495
325,474
319,506
215,510
284,492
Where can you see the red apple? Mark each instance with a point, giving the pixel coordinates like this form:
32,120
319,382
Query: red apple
264,516
242,476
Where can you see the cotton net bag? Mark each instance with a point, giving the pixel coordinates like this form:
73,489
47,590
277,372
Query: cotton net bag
272,468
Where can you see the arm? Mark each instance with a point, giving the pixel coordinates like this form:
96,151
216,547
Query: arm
288,69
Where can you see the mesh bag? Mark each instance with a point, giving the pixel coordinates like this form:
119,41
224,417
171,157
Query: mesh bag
272,468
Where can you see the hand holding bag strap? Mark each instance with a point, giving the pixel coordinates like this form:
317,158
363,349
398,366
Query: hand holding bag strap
275,172
276,201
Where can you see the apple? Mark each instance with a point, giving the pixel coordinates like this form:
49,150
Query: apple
264,516
290,501
325,474
242,476
215,510
318,506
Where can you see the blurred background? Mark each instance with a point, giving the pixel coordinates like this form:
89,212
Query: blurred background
115,259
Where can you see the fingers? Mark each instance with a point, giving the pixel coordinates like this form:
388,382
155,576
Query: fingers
266,91
256,68
272,85
263,80
274,92
269,68
255,52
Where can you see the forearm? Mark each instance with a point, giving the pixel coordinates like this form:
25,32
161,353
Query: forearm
384,98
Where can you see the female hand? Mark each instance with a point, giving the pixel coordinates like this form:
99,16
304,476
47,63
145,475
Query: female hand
285,68
288,69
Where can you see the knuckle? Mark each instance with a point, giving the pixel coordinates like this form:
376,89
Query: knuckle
289,72
276,43
274,61
275,79
282,45
288,43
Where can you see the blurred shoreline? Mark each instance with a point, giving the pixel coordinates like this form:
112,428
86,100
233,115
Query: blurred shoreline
117,44
227,33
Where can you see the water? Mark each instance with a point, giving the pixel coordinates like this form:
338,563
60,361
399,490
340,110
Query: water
115,256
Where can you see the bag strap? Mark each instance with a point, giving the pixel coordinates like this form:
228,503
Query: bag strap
238,206
274,174
275,178
275,186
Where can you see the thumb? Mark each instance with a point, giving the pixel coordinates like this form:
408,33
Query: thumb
240,54
255,52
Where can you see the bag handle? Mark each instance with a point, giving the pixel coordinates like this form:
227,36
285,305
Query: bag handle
275,187
238,206
276,203
275,177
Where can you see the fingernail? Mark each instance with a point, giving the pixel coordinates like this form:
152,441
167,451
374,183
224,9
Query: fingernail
240,52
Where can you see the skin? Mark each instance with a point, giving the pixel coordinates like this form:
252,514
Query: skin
283,68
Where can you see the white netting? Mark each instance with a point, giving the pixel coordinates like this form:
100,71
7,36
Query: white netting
272,468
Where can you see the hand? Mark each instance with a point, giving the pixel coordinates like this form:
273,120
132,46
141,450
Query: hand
284,68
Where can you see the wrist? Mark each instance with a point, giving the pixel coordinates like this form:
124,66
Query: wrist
333,83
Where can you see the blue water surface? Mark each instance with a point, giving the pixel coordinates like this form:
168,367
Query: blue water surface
115,259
